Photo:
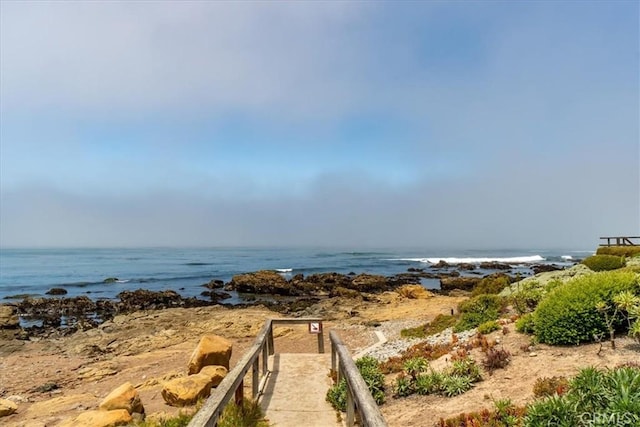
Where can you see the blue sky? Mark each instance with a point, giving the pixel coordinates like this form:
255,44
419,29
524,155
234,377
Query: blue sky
471,124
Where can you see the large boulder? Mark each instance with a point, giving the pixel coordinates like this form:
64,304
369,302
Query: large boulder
117,417
8,317
260,282
7,407
123,397
463,283
211,350
187,391
414,292
216,373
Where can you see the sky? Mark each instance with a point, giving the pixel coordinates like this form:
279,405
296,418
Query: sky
364,124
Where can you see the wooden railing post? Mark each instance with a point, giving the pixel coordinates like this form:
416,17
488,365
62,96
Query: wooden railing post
255,381
350,408
270,341
239,395
333,359
265,358
321,340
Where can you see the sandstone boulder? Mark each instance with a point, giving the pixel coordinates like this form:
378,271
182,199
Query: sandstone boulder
186,391
216,373
7,407
8,317
118,417
260,282
211,350
123,397
414,292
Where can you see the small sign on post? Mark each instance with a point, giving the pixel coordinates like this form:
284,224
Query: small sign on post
315,327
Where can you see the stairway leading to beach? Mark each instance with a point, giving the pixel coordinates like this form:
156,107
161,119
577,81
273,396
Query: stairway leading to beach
295,391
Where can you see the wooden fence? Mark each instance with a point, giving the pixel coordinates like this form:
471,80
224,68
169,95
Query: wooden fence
620,241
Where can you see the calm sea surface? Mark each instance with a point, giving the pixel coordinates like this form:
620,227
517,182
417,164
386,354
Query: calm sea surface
83,271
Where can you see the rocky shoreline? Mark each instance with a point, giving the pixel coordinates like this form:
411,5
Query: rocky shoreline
59,316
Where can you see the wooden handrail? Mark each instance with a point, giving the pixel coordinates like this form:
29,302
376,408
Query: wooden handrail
620,240
233,384
358,395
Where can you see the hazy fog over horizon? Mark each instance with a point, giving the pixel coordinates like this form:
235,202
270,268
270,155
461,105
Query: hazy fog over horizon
341,124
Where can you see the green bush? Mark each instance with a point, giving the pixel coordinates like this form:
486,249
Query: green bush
478,310
492,284
526,324
568,314
488,327
437,325
626,251
604,262
373,377
527,296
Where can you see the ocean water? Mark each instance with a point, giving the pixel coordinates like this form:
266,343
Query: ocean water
83,271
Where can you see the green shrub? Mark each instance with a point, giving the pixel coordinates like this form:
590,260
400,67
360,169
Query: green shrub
488,327
613,395
604,262
429,383
372,376
453,385
526,324
526,296
625,251
492,284
478,310
568,314
466,367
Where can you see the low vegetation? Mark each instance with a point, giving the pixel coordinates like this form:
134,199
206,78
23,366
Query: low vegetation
478,310
249,415
604,262
456,379
492,284
373,377
488,327
424,350
621,251
437,325
594,397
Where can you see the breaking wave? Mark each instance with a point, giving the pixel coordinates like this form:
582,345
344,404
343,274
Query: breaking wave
509,260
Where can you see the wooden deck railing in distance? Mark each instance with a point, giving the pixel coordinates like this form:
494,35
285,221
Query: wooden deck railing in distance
359,397
233,384
620,241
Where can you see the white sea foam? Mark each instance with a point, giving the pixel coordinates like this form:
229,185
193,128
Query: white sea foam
122,281
284,270
566,257
508,260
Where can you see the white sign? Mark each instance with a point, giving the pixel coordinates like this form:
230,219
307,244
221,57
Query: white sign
315,327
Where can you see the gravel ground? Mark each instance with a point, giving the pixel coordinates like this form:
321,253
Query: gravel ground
396,345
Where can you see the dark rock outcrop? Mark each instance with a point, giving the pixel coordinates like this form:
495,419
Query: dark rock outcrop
260,282
56,291
543,268
463,283
494,265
